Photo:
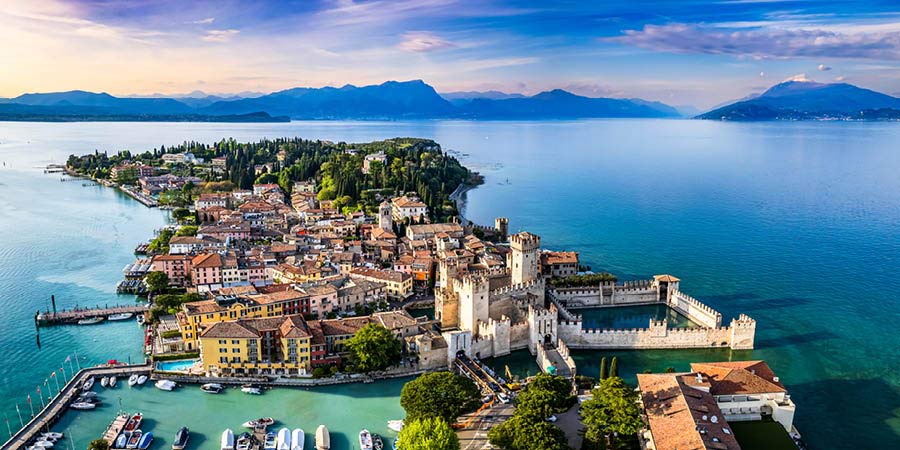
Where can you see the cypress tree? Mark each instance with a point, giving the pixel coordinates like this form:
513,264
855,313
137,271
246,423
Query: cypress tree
603,373
614,367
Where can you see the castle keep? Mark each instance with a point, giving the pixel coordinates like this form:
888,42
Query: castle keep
493,311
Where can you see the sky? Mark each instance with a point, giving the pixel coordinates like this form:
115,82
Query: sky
681,52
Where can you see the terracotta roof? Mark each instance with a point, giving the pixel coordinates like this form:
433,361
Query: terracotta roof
677,413
383,275
666,277
407,202
739,377
340,327
229,330
207,260
559,257
393,320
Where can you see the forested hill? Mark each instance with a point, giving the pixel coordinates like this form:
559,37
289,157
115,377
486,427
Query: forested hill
411,164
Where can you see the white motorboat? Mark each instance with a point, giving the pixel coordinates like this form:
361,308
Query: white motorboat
53,435
88,385
284,439
270,443
251,390
44,444
365,440
166,385
142,379
395,425
132,380
122,440
83,405
181,438
298,439
112,381
134,439
212,388
104,381
120,316
263,421
227,440
140,319
243,441
323,438
90,321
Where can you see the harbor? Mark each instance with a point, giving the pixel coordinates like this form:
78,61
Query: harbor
80,315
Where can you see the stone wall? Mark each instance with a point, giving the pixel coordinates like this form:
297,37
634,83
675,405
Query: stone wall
630,293
739,335
695,310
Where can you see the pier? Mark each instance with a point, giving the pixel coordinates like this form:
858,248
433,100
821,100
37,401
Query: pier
69,316
46,417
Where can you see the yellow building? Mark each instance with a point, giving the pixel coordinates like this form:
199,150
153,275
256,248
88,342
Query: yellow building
252,347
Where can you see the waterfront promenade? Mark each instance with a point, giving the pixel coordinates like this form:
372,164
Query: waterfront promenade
45,418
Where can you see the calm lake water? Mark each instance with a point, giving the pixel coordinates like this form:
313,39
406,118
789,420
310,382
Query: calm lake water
795,224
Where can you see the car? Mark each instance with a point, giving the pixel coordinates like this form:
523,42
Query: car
503,398
552,419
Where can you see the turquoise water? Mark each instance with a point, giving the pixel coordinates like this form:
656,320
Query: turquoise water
632,317
180,365
796,224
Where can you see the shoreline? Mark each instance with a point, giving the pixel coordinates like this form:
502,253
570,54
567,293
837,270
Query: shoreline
475,180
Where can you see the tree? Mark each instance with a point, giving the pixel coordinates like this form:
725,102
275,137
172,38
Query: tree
187,230
614,367
439,394
180,214
611,410
427,434
157,281
603,372
373,347
98,444
519,433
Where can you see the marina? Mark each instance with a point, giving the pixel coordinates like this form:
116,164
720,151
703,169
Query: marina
77,315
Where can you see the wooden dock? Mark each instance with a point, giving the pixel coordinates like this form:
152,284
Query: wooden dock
75,314
59,404
112,431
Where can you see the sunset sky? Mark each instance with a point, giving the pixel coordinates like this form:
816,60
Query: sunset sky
682,52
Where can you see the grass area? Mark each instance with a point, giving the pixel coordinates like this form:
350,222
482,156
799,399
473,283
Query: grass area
762,435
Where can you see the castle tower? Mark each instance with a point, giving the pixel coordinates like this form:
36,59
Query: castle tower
501,224
474,304
385,220
523,260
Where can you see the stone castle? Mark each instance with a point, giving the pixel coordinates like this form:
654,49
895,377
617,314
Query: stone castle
492,312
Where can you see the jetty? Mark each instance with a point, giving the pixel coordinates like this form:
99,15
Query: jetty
69,316
59,404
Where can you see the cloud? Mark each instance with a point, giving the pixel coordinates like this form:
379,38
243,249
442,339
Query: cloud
764,43
801,77
823,68
593,90
220,35
205,21
840,78
423,41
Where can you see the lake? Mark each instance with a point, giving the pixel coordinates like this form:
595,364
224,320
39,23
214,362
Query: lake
795,224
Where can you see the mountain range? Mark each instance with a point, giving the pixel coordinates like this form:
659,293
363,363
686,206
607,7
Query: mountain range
391,100
803,99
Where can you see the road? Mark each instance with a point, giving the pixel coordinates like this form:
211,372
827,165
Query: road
475,436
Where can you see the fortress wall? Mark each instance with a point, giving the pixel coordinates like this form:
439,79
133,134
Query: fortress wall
518,336
644,338
695,310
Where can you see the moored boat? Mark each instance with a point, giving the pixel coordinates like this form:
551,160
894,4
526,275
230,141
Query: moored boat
284,439
83,405
43,444
397,443
263,421
132,380
112,381
212,388
270,443
140,319
133,422
252,390
323,438
145,441
166,385
104,381
134,439
365,440
53,435
377,442
120,316
227,440
90,321
181,438
244,441
298,439
142,379
122,440
88,384
395,425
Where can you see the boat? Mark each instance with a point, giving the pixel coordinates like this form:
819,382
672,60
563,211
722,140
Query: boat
140,319
122,440
120,316
166,385
395,425
377,442
83,405
43,444
142,379
270,443
134,439
365,440
53,435
104,381
90,320
284,439
298,439
397,443
212,388
263,421
227,440
88,385
145,441
323,439
132,380
112,381
133,422
244,441
251,390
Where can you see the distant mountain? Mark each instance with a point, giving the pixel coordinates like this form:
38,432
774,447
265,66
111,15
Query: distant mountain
801,99
391,100
560,104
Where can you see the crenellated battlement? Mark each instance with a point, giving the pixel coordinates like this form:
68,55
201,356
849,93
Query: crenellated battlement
518,288
694,309
492,272
525,241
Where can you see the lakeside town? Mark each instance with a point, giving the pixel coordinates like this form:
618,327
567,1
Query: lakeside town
301,263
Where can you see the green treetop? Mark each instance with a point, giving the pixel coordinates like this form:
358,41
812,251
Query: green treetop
373,347
439,394
427,434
